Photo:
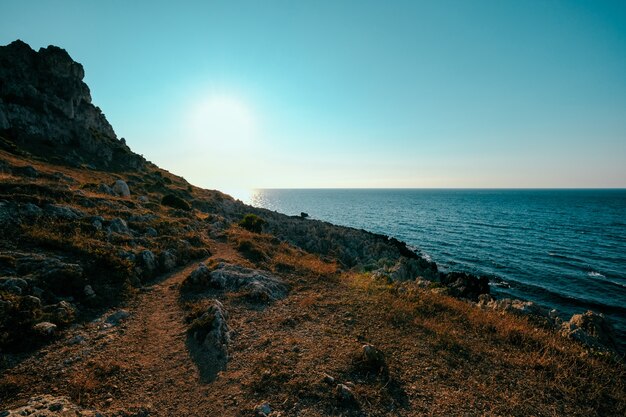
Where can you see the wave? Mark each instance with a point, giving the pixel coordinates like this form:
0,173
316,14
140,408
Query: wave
595,274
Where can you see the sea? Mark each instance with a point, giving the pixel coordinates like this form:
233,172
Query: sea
564,248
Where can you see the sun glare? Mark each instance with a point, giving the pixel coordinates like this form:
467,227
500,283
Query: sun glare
222,121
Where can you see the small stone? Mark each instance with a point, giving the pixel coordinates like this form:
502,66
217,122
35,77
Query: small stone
76,340
263,409
328,379
115,318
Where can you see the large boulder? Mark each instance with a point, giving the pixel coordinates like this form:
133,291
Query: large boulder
121,189
46,109
256,284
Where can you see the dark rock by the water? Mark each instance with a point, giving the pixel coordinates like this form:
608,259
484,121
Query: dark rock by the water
461,284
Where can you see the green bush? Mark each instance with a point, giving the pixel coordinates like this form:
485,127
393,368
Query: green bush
176,202
253,223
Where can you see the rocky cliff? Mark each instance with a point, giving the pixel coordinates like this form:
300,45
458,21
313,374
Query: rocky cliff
46,109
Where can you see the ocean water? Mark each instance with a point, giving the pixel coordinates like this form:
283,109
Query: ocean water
564,249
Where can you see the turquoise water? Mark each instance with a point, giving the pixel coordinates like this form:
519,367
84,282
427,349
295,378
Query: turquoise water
564,249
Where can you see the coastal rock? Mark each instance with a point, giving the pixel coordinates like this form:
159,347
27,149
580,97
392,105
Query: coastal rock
46,109
519,307
591,329
406,269
463,285
120,188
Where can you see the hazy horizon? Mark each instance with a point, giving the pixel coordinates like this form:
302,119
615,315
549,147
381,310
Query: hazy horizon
341,94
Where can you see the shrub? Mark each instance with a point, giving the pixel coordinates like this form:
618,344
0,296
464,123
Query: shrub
253,223
176,202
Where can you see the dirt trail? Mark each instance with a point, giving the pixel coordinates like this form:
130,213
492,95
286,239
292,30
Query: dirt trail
152,350
141,363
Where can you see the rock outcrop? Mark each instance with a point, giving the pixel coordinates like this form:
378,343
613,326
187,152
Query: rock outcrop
46,109
591,329
208,339
255,284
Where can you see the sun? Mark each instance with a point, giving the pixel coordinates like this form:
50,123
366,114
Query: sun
222,121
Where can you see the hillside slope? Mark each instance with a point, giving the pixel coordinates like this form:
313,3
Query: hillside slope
127,291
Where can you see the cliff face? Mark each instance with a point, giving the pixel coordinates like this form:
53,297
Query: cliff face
46,109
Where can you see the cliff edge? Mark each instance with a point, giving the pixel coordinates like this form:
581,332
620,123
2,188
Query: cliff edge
46,109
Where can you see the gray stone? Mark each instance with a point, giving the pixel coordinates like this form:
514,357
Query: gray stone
63,312
151,232
63,212
167,260
148,261
210,335
116,318
119,226
121,189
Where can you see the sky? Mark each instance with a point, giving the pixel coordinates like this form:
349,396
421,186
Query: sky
365,94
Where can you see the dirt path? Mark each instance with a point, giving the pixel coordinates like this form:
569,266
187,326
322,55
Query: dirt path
152,348
140,363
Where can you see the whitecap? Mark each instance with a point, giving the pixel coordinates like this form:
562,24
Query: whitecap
595,274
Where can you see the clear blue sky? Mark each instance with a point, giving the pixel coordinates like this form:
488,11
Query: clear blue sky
354,93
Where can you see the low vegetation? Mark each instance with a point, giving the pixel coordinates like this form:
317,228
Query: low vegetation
253,223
